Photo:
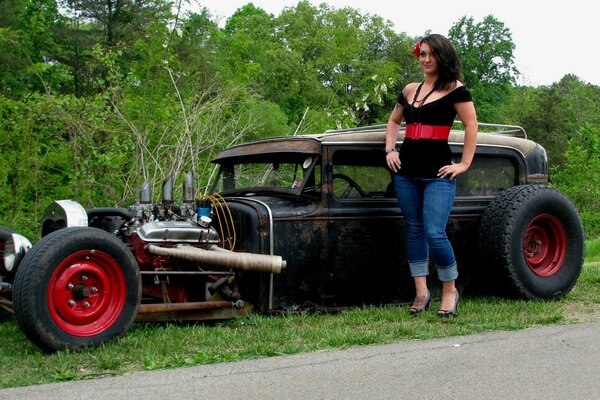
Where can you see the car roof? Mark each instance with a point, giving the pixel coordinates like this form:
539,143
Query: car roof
489,135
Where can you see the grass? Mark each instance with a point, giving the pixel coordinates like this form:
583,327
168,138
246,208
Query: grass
157,346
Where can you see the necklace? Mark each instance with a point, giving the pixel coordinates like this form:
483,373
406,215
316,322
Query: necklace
417,95
412,105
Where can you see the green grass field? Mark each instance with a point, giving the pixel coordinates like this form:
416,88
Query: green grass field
155,346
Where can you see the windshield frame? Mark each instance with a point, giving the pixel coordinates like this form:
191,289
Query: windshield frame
304,164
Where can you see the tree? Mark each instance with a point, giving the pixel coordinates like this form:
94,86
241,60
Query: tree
486,53
119,20
552,115
30,44
196,49
350,66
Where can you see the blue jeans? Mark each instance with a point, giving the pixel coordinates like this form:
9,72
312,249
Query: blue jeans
426,204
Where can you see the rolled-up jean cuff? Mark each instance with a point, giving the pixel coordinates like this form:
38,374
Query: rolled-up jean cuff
448,273
419,268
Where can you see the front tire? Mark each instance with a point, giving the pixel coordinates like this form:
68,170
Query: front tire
77,287
533,235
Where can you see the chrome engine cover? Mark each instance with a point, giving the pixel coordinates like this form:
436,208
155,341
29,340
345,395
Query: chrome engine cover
177,231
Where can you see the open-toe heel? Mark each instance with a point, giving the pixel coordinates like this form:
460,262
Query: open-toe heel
451,312
414,310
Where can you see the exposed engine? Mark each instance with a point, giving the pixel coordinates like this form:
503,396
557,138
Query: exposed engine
184,251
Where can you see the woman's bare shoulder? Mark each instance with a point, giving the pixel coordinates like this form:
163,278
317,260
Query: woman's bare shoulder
412,85
410,88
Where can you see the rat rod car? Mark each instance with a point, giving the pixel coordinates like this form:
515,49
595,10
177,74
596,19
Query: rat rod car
295,223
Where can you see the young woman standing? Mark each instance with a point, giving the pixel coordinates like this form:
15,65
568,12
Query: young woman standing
424,174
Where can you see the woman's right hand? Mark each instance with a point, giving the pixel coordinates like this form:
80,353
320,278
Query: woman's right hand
393,160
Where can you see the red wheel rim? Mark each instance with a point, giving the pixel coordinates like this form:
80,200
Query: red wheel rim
545,245
86,293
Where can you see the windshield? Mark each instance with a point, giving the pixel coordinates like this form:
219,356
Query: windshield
291,174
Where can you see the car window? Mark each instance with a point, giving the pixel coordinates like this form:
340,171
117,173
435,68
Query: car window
487,176
361,174
284,173
267,175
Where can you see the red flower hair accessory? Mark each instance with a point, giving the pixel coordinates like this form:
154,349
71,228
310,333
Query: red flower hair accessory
417,50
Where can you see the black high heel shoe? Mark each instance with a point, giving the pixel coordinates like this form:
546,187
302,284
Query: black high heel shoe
451,312
415,310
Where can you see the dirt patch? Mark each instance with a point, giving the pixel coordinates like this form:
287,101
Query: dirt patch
582,312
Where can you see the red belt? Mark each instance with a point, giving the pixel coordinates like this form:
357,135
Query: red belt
420,131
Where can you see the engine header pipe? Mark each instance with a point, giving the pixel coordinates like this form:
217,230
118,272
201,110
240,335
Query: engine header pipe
146,193
223,258
167,190
188,188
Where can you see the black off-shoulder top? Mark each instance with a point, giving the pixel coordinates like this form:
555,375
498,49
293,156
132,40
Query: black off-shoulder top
422,158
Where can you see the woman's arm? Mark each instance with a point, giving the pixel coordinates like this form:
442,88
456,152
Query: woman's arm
392,157
468,116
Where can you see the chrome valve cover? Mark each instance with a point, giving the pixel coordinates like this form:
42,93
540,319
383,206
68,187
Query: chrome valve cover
177,231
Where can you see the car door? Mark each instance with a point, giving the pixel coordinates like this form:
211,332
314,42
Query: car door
366,229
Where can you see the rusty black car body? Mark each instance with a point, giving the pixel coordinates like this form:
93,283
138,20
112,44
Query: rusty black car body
342,233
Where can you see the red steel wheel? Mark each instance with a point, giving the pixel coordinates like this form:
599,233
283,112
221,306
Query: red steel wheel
86,293
545,245
77,287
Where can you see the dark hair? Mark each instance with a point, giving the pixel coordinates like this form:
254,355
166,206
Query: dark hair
449,70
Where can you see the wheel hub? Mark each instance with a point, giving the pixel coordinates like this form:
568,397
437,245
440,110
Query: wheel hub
81,292
86,293
545,245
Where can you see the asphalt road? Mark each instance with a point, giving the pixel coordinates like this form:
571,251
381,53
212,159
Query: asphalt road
555,362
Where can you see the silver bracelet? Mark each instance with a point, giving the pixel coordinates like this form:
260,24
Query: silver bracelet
388,151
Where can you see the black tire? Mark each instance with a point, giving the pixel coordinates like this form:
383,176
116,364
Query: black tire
76,287
4,277
532,234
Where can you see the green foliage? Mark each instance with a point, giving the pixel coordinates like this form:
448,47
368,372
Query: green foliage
98,96
485,50
592,250
553,114
486,53
35,160
579,177
30,48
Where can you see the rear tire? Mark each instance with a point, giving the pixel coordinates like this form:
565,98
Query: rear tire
532,234
76,287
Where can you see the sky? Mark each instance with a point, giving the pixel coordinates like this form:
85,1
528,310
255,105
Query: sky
552,38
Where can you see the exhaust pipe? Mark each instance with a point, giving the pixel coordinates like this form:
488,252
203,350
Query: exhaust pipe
223,258
146,193
187,306
167,190
188,188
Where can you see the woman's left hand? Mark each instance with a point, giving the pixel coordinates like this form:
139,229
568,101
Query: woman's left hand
453,170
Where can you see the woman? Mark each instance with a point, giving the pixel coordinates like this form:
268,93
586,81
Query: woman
423,170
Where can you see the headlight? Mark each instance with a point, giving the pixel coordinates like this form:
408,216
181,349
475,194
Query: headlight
15,248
